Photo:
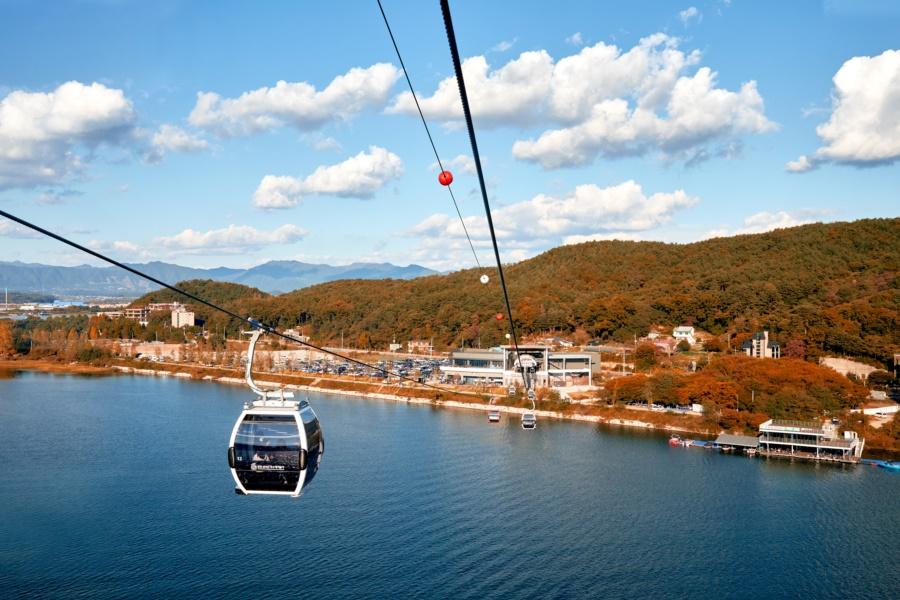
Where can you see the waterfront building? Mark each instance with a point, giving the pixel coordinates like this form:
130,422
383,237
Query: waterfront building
760,346
684,333
810,440
498,366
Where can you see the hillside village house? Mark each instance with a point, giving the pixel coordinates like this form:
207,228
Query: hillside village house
684,333
760,346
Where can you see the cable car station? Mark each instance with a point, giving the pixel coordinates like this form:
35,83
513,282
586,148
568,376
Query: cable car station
497,366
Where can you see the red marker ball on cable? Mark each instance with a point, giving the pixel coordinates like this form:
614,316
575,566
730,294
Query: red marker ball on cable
445,178
499,316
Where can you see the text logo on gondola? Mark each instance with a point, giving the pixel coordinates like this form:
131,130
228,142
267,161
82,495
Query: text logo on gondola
256,467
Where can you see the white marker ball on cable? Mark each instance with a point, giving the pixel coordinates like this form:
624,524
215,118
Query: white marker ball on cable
485,279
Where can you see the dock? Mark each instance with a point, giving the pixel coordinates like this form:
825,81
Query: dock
803,440
747,444
809,440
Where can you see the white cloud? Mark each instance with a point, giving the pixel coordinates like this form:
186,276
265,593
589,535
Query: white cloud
233,238
175,139
575,39
170,138
864,127
697,113
587,210
298,105
688,14
504,45
762,222
512,94
461,163
11,229
801,165
327,143
46,137
606,100
54,197
122,249
360,176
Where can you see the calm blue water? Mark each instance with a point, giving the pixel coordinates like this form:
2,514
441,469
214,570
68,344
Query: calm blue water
119,486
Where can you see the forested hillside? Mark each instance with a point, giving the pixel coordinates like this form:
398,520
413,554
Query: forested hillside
823,287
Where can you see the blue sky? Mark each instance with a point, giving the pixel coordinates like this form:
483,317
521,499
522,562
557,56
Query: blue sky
642,120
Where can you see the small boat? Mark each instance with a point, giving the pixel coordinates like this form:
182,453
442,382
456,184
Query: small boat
529,421
891,465
494,416
675,440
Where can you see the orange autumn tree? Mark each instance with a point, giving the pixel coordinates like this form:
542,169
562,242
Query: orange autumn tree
7,342
738,392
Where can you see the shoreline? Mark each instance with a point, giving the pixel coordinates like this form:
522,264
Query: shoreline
453,404
185,372
83,369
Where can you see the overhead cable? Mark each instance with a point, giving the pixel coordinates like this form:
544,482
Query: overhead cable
457,66
428,131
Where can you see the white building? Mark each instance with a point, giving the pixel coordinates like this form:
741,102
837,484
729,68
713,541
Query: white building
810,440
418,347
684,333
760,346
498,366
182,318
297,335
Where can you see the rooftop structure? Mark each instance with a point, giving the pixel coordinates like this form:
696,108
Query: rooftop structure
760,346
809,440
738,441
498,366
164,306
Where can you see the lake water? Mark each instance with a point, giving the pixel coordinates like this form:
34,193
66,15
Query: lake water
119,486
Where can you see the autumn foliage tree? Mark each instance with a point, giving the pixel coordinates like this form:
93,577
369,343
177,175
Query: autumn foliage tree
7,342
738,392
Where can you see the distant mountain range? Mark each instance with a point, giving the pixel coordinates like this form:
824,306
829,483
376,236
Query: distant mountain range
274,277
